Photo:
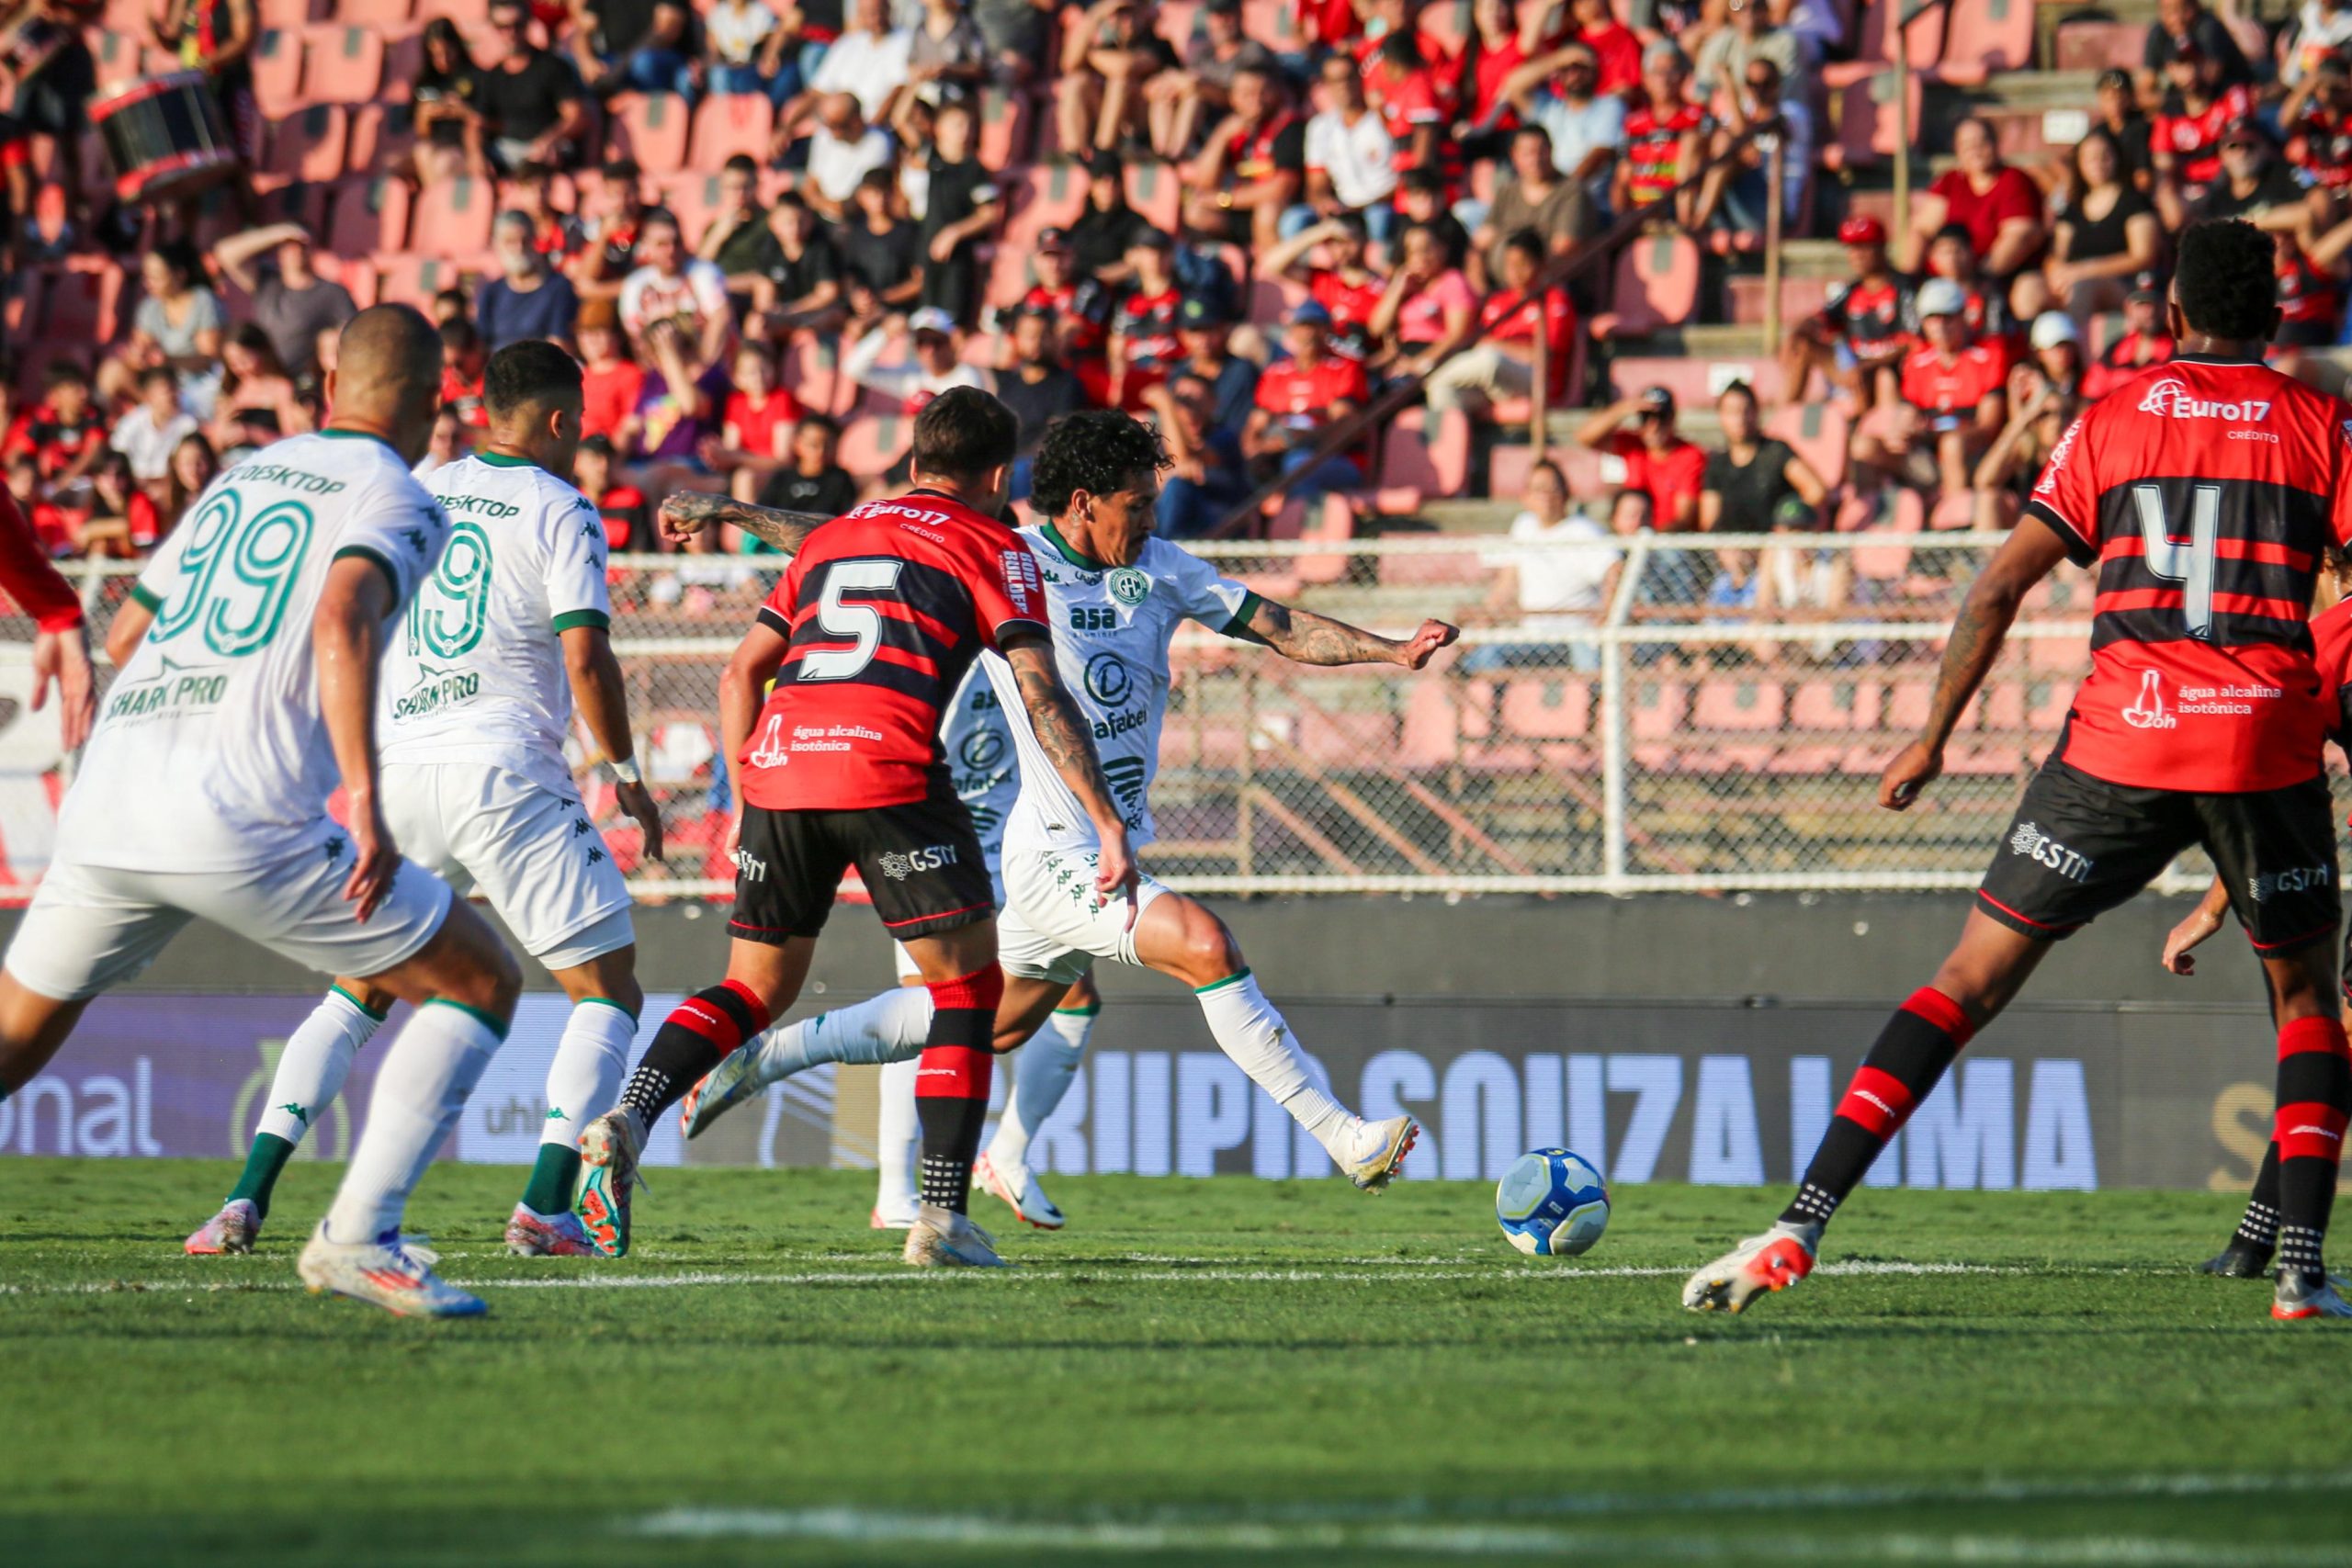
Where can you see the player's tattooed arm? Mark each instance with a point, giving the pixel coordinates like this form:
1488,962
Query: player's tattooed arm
687,513
2029,555
1305,638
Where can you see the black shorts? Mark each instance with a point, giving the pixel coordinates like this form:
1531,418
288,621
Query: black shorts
2079,846
922,863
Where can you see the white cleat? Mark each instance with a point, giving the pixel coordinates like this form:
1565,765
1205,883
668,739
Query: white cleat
2300,1296
720,1090
1762,1264
944,1239
394,1271
608,1150
1379,1152
234,1229
1018,1187
532,1235
893,1215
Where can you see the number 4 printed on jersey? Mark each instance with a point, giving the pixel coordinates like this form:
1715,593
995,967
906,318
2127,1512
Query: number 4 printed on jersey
2191,562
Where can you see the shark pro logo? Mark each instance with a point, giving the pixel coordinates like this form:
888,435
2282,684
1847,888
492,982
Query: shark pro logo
2030,842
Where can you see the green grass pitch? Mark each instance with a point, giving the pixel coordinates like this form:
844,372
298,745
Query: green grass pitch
1217,1371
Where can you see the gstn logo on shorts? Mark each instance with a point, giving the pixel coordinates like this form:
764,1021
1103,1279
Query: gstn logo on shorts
750,867
898,867
2304,878
2030,842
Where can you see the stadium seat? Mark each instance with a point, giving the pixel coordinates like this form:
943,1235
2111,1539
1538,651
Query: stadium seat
870,446
1874,43
2090,44
1447,22
1818,432
1271,298
1430,736
1893,510
453,218
78,308
1435,463
1834,706
278,72
1273,23
652,128
383,15
1004,138
1695,383
412,279
368,216
1867,130
1983,36
291,14
379,133
309,145
728,124
1548,708
1657,287
1656,709
1800,298
343,65
1155,191
692,200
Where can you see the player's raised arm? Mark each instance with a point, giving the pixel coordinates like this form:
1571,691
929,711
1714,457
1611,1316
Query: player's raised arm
2025,558
1304,638
688,511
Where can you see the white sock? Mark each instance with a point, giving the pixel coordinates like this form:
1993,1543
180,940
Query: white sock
590,1061
887,1028
896,1137
428,1073
1042,1071
1248,1030
316,1060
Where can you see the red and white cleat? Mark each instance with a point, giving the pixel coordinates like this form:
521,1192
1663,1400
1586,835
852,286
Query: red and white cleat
530,1234
2300,1296
1024,1198
1773,1261
394,1271
1379,1152
234,1229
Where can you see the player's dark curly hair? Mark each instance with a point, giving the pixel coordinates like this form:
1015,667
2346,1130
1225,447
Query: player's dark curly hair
2226,279
1099,451
533,373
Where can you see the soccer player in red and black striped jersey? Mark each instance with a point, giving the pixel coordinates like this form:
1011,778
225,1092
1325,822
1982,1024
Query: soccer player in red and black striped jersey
2205,493
865,639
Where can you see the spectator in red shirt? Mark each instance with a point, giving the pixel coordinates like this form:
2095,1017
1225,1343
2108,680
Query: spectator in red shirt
609,380
1406,93
2000,206
2319,125
1502,363
1297,397
1343,285
1081,310
63,433
1253,166
1952,402
1616,47
2185,140
1864,329
755,431
1144,343
1331,23
1663,133
60,646
2144,341
462,362
1990,319
1664,473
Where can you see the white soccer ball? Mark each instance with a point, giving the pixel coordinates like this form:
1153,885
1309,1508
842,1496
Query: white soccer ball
1551,1203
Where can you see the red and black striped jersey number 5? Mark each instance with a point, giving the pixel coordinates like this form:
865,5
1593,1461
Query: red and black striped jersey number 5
862,623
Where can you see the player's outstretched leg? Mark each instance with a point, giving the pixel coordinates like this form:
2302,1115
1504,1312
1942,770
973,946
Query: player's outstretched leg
463,985
1181,938
582,1083
897,1146
1903,1068
890,1027
1042,1071
310,1072
957,1065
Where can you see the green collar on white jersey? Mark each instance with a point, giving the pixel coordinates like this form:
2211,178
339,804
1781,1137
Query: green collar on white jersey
332,434
1071,553
502,460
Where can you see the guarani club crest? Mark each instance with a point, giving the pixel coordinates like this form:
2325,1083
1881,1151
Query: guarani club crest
1128,585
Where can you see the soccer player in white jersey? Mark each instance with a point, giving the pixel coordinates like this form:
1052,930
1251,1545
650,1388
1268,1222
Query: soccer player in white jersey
478,689
984,769
203,793
1116,596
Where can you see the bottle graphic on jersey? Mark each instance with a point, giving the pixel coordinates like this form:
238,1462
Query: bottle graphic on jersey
2147,710
770,751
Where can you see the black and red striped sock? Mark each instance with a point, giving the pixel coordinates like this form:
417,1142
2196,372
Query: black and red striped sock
952,1083
694,1039
1904,1066
2314,1097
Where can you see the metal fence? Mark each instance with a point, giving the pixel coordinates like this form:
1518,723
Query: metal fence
1718,723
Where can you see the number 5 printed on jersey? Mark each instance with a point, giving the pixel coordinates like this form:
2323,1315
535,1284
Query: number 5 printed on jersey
861,623
237,574
447,618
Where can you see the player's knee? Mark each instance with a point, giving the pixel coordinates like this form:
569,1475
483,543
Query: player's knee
625,990
492,984
1207,949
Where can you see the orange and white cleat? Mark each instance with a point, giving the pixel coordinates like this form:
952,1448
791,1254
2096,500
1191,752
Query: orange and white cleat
2300,1296
1773,1261
394,1271
234,1229
530,1234
1023,1197
1379,1151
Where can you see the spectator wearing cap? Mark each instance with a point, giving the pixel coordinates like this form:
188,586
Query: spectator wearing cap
2145,343
961,209
800,284
1351,159
2057,360
1179,98
1952,403
2184,28
2105,235
1344,285
1106,227
1991,321
2185,137
530,101
1665,132
1109,57
1998,205
1665,475
1207,335
1734,193
933,367
1756,484
668,285
1035,387
2116,110
2255,185
1143,328
634,46
1531,194
527,298
2318,118
813,479
290,301
1208,476
1864,329
1501,363
1587,127
1428,309
1297,399
609,380
1079,309
1252,168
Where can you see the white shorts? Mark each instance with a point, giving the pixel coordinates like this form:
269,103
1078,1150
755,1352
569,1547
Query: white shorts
91,928
531,852
1051,928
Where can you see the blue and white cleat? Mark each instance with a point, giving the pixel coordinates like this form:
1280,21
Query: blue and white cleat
1021,1193
394,1271
720,1090
944,1239
1379,1152
234,1229
609,1151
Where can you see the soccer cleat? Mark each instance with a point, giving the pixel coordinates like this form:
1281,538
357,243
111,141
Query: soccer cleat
718,1091
2242,1260
1379,1152
530,1234
1024,1198
1773,1261
609,1151
2300,1296
894,1216
942,1238
234,1229
393,1273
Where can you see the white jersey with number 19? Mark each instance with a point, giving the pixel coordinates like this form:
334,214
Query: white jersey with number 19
210,753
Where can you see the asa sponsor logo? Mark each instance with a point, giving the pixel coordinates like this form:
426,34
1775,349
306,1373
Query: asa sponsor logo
898,867
2147,711
2267,885
2030,842
2171,397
